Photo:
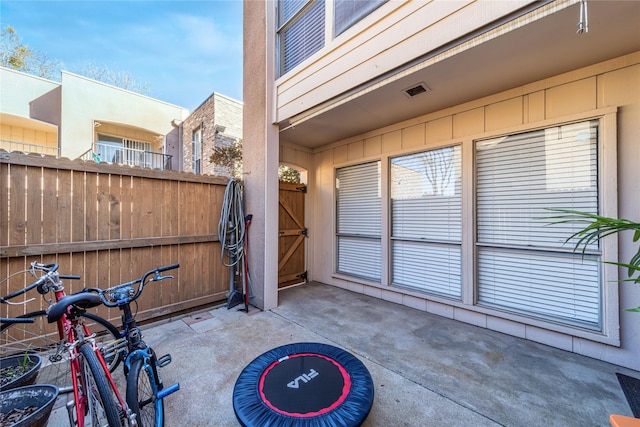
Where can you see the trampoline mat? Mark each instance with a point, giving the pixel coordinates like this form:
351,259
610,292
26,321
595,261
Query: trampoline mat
303,384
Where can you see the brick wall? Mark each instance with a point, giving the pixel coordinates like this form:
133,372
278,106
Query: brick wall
217,110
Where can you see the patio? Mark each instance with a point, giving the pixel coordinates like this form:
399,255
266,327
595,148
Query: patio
427,370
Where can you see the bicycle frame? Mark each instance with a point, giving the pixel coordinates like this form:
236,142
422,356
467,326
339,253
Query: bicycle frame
122,296
74,332
77,333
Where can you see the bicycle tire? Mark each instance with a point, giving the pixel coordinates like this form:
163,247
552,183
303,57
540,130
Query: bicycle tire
102,401
41,337
142,393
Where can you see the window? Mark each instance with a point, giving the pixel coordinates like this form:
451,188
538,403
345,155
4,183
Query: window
118,150
348,12
196,147
523,264
426,221
300,31
359,220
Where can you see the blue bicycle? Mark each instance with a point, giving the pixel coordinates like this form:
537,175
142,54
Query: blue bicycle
145,390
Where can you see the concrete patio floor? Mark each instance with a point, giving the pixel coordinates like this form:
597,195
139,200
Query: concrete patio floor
427,370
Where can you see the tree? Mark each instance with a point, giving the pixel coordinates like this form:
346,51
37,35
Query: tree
230,156
287,174
16,55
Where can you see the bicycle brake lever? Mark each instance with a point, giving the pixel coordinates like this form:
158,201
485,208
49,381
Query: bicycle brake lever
158,277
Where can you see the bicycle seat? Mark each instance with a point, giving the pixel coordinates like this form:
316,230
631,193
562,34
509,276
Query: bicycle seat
81,300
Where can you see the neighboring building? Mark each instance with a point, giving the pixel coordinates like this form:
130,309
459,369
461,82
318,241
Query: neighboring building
81,117
216,122
25,124
434,136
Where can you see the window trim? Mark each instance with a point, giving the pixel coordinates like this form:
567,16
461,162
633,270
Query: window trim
516,324
196,160
381,238
607,155
429,242
281,28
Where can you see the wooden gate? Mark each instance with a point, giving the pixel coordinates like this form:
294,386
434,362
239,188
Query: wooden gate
291,253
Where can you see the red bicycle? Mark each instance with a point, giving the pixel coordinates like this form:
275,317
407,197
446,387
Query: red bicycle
96,399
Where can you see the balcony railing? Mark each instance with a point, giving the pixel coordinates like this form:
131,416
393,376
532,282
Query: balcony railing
24,147
128,156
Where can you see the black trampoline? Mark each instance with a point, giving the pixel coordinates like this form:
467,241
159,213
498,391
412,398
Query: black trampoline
303,384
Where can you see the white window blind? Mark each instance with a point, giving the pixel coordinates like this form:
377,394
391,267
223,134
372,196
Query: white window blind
197,149
426,206
524,264
300,32
348,12
359,220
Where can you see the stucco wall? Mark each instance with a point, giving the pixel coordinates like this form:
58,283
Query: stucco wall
586,91
19,90
80,109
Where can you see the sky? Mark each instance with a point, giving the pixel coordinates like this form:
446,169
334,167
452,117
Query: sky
183,50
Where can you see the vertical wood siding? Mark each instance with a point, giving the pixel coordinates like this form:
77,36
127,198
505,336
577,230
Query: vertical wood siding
110,224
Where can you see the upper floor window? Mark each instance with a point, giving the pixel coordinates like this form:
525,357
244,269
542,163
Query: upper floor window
197,149
300,31
348,12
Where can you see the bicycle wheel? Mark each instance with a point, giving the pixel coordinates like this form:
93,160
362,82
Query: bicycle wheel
42,337
103,406
142,392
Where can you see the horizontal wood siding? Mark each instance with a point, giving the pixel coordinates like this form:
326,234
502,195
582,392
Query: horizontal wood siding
110,224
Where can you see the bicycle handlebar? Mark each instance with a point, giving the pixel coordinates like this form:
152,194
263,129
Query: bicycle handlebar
112,298
50,270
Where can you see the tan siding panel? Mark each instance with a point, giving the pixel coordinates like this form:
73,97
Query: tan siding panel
534,106
503,114
413,136
355,150
468,122
439,129
392,141
571,98
373,146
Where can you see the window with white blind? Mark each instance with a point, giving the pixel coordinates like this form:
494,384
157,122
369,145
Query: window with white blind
300,31
348,12
426,221
358,222
196,147
523,263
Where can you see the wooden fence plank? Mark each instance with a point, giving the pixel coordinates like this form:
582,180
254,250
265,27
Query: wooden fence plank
49,205
125,206
4,206
17,208
63,208
34,206
91,207
165,203
79,208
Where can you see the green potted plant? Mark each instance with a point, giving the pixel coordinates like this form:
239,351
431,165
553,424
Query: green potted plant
596,228
19,370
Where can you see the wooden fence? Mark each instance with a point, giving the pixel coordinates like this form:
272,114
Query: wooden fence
110,224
